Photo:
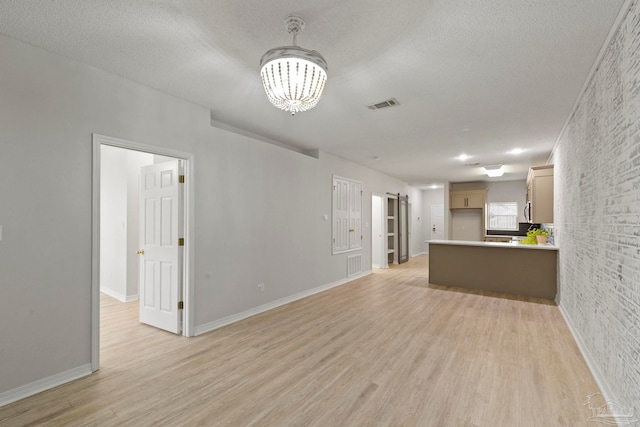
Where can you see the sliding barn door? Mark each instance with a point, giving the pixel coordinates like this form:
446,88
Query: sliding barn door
403,229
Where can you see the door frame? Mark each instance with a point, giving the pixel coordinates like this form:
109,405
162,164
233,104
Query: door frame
189,247
409,228
381,219
403,250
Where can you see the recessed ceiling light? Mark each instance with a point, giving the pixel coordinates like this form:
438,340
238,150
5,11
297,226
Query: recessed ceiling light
375,157
463,157
494,171
516,151
431,186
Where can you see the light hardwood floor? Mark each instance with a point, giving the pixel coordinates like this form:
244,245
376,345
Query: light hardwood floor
387,349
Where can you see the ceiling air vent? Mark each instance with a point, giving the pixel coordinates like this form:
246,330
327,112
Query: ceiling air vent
391,102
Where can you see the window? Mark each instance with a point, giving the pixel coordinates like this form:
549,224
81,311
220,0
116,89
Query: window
347,215
502,216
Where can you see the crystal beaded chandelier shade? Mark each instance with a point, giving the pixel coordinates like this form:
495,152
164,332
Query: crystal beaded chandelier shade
293,77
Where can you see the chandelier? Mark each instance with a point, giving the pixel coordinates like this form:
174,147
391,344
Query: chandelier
293,77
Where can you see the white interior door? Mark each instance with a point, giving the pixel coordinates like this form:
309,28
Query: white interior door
437,222
160,252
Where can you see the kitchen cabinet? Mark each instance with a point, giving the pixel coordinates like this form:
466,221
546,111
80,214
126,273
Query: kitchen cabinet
540,194
467,198
496,267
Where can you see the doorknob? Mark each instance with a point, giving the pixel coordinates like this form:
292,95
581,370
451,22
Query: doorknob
140,252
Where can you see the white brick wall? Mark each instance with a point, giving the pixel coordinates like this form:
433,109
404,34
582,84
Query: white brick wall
597,212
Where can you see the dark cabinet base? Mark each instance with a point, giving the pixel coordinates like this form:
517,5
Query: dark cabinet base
519,271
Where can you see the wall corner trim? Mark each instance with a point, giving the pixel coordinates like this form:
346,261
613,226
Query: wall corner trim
36,387
208,327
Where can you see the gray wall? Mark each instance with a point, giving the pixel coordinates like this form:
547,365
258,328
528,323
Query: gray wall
49,108
466,224
258,207
597,217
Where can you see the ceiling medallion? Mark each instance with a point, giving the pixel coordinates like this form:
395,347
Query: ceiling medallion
293,77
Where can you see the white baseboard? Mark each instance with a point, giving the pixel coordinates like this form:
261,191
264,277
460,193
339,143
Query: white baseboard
119,296
593,367
207,327
419,253
36,387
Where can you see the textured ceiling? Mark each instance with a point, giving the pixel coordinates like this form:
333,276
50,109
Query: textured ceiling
471,76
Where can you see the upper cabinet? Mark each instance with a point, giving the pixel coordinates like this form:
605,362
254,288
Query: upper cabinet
467,198
540,194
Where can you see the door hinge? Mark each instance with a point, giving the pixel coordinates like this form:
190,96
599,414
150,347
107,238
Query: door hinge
181,179
181,241
180,305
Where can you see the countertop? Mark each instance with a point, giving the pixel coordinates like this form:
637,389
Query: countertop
514,245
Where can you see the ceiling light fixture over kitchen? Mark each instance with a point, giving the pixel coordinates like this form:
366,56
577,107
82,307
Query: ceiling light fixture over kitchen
494,170
293,77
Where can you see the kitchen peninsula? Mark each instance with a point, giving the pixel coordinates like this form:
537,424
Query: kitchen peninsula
512,268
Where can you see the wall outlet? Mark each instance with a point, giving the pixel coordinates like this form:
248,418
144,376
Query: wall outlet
261,287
